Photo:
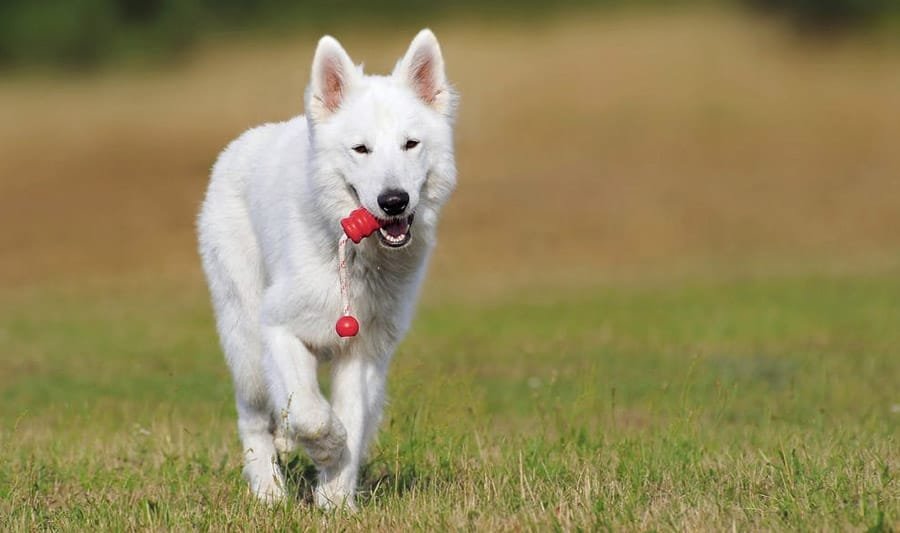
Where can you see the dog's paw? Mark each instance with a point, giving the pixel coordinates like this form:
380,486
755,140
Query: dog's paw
325,448
265,482
318,429
332,496
307,420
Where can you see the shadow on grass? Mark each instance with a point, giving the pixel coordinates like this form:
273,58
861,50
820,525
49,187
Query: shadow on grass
300,475
377,480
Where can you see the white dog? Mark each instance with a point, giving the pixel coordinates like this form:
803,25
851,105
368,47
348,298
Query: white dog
269,231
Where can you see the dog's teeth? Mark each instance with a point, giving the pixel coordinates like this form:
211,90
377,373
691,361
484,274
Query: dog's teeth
394,239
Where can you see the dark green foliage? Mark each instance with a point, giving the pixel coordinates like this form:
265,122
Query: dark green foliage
79,34
84,33
829,14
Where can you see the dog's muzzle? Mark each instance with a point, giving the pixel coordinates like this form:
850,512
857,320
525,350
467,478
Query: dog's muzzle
396,233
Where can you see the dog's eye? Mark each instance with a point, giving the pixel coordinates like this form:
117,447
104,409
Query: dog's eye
410,144
361,149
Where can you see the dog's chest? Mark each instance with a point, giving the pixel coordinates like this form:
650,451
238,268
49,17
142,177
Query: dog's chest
379,296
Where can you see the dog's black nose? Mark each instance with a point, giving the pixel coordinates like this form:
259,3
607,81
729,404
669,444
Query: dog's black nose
393,201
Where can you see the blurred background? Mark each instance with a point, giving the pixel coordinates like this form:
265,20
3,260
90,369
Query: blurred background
615,139
673,254
597,140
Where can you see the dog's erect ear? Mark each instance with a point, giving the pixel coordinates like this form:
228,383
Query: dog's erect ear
422,68
333,73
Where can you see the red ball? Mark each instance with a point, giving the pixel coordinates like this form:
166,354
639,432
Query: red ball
347,326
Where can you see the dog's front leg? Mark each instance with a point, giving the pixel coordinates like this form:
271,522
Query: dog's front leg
302,412
358,397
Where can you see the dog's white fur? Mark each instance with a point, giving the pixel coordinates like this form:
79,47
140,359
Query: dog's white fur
268,234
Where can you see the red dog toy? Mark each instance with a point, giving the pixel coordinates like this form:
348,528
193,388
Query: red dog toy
357,226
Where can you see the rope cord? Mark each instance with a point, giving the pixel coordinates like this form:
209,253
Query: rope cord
342,274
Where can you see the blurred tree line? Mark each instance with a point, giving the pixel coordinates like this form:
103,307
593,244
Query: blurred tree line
86,33
830,14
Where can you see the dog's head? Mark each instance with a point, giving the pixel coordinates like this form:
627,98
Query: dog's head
383,142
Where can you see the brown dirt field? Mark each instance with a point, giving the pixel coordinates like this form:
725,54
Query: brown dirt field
587,145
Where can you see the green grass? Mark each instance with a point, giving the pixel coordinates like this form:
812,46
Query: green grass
767,404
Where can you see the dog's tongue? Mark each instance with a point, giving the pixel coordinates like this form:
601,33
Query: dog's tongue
396,228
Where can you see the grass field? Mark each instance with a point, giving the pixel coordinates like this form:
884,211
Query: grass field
699,331
762,405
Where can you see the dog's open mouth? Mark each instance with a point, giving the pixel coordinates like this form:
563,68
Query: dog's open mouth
395,233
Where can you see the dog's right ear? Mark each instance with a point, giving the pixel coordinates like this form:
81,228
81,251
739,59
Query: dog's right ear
333,74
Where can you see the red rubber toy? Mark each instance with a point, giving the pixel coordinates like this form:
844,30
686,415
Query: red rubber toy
347,326
359,224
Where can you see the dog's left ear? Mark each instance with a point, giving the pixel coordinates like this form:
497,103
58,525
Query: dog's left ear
422,68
